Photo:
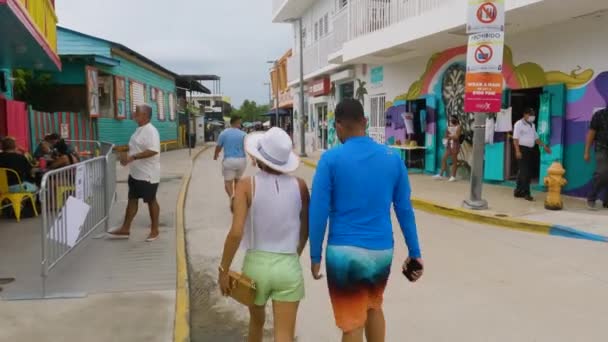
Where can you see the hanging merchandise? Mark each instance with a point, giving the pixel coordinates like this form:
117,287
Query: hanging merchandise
503,120
408,118
490,131
423,121
544,119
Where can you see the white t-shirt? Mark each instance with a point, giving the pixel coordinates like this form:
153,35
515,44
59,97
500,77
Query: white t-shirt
145,138
525,133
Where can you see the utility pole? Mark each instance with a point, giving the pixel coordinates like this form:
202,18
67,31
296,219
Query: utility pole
479,131
301,102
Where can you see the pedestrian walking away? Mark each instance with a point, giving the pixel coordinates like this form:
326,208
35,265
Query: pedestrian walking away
270,222
525,138
143,159
452,143
354,187
598,136
231,141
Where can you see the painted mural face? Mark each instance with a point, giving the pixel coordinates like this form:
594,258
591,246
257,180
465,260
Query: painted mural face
453,98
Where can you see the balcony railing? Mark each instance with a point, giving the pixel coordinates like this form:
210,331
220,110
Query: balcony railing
42,13
367,16
340,33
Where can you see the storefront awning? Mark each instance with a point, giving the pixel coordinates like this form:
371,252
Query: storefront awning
282,112
21,45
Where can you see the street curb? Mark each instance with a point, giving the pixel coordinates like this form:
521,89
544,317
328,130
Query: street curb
504,222
181,327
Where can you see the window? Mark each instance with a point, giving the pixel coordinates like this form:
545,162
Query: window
377,120
93,91
316,31
342,4
120,97
326,22
106,95
160,102
171,107
138,95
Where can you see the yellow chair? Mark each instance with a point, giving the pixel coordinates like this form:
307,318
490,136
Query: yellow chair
60,196
16,198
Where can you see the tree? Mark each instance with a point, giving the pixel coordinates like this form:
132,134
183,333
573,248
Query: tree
250,111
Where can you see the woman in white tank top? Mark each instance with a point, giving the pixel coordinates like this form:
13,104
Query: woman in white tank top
271,222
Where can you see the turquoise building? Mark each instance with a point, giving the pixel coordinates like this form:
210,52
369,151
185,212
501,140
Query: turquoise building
103,81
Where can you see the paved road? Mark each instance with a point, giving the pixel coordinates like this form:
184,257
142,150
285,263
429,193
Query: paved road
482,283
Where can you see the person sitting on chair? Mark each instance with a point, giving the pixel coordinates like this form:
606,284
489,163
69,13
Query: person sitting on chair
10,158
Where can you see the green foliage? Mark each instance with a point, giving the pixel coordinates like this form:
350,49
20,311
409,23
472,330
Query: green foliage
30,86
250,111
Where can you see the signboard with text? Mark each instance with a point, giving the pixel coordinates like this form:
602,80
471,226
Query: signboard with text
320,87
486,16
483,92
485,52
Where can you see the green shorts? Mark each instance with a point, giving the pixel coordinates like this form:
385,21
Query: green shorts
277,276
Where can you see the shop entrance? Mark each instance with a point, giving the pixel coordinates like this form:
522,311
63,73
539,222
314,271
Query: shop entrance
520,100
321,110
417,132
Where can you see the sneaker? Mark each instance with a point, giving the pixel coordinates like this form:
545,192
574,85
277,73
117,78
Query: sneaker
529,198
591,205
452,179
438,177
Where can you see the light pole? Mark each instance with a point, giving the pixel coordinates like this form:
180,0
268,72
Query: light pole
301,104
269,93
275,64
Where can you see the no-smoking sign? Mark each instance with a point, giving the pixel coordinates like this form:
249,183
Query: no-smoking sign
486,16
487,13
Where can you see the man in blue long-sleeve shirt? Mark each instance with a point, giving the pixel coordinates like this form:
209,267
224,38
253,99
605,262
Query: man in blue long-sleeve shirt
354,187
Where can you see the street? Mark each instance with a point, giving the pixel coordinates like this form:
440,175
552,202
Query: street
482,283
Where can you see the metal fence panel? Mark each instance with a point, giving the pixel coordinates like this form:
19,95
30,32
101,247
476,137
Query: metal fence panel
89,187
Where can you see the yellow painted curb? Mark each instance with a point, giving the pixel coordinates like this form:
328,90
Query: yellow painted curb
181,328
470,215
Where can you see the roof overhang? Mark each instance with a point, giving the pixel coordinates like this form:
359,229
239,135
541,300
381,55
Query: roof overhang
21,44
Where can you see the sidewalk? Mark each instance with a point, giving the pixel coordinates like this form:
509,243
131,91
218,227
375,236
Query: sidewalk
502,205
115,290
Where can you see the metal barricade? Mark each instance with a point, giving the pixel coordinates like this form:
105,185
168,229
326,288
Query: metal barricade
76,201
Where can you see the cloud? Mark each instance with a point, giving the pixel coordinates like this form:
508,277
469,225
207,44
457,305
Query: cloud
229,38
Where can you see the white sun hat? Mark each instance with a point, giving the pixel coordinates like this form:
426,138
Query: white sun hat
274,149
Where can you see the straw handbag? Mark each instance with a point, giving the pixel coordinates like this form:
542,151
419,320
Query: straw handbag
242,288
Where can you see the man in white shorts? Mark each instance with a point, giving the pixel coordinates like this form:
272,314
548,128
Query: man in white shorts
232,140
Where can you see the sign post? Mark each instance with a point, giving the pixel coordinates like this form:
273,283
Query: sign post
484,82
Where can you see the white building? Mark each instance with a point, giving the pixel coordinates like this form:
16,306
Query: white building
402,56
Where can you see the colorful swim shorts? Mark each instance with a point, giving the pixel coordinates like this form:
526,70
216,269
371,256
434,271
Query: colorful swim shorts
356,278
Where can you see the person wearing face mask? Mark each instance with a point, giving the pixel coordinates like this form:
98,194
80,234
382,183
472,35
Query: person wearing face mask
525,139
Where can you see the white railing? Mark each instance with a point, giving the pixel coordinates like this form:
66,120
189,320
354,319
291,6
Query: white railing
367,16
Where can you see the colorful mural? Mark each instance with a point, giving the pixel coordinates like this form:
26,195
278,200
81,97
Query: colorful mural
442,79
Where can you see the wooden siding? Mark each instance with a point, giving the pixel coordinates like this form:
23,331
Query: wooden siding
71,43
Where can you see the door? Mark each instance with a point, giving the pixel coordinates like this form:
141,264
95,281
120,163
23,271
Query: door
377,124
430,164
322,127
494,166
551,124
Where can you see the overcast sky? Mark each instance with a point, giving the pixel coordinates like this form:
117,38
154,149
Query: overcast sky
229,38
